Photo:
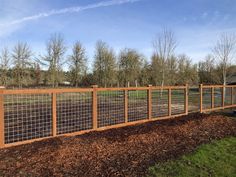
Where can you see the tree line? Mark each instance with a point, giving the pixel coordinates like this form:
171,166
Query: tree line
19,67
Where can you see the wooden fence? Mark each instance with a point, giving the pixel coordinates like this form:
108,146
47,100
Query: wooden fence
34,114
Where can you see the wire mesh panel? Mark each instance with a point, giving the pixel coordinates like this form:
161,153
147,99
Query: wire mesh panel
110,108
177,101
228,93
74,112
193,99
234,95
218,97
206,98
27,116
137,105
159,103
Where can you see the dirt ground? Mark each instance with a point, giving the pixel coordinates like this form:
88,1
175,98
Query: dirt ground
125,151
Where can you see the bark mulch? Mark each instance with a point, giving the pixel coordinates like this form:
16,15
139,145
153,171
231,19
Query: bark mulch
125,151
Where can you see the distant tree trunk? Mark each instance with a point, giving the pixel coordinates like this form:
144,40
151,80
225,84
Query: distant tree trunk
224,51
164,46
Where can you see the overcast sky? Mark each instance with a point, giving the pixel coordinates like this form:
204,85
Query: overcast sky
120,23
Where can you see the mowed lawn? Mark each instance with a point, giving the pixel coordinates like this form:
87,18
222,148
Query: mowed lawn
215,159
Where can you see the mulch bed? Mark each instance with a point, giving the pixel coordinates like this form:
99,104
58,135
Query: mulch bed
125,151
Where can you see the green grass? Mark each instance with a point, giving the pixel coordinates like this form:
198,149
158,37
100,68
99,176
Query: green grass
215,159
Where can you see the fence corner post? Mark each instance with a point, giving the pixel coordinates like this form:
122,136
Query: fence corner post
54,114
2,136
200,89
149,101
95,112
186,99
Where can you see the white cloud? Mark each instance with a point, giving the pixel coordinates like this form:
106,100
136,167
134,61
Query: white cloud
67,10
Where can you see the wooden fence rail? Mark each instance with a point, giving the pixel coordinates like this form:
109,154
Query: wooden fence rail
29,115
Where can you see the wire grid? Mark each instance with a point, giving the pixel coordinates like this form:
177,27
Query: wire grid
177,101
228,93
137,105
218,97
27,116
234,95
193,99
110,108
206,98
74,112
159,103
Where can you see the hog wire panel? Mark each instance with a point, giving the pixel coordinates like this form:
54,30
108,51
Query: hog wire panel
206,98
218,97
159,103
137,105
111,108
234,95
228,93
27,117
177,101
193,99
74,112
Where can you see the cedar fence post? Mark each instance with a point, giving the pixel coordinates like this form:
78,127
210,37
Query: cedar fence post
126,105
186,99
2,136
150,102
54,114
223,96
169,101
95,112
232,95
200,89
212,98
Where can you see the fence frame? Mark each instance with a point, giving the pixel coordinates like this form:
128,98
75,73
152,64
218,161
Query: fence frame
94,89
212,87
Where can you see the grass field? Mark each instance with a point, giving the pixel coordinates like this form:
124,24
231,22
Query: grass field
215,159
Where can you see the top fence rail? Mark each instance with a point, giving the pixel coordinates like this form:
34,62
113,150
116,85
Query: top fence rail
29,115
67,90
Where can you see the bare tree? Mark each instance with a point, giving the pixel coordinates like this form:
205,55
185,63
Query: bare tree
187,72
54,58
145,74
104,68
156,71
5,60
207,71
164,46
130,65
37,75
224,51
21,57
77,62
172,69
